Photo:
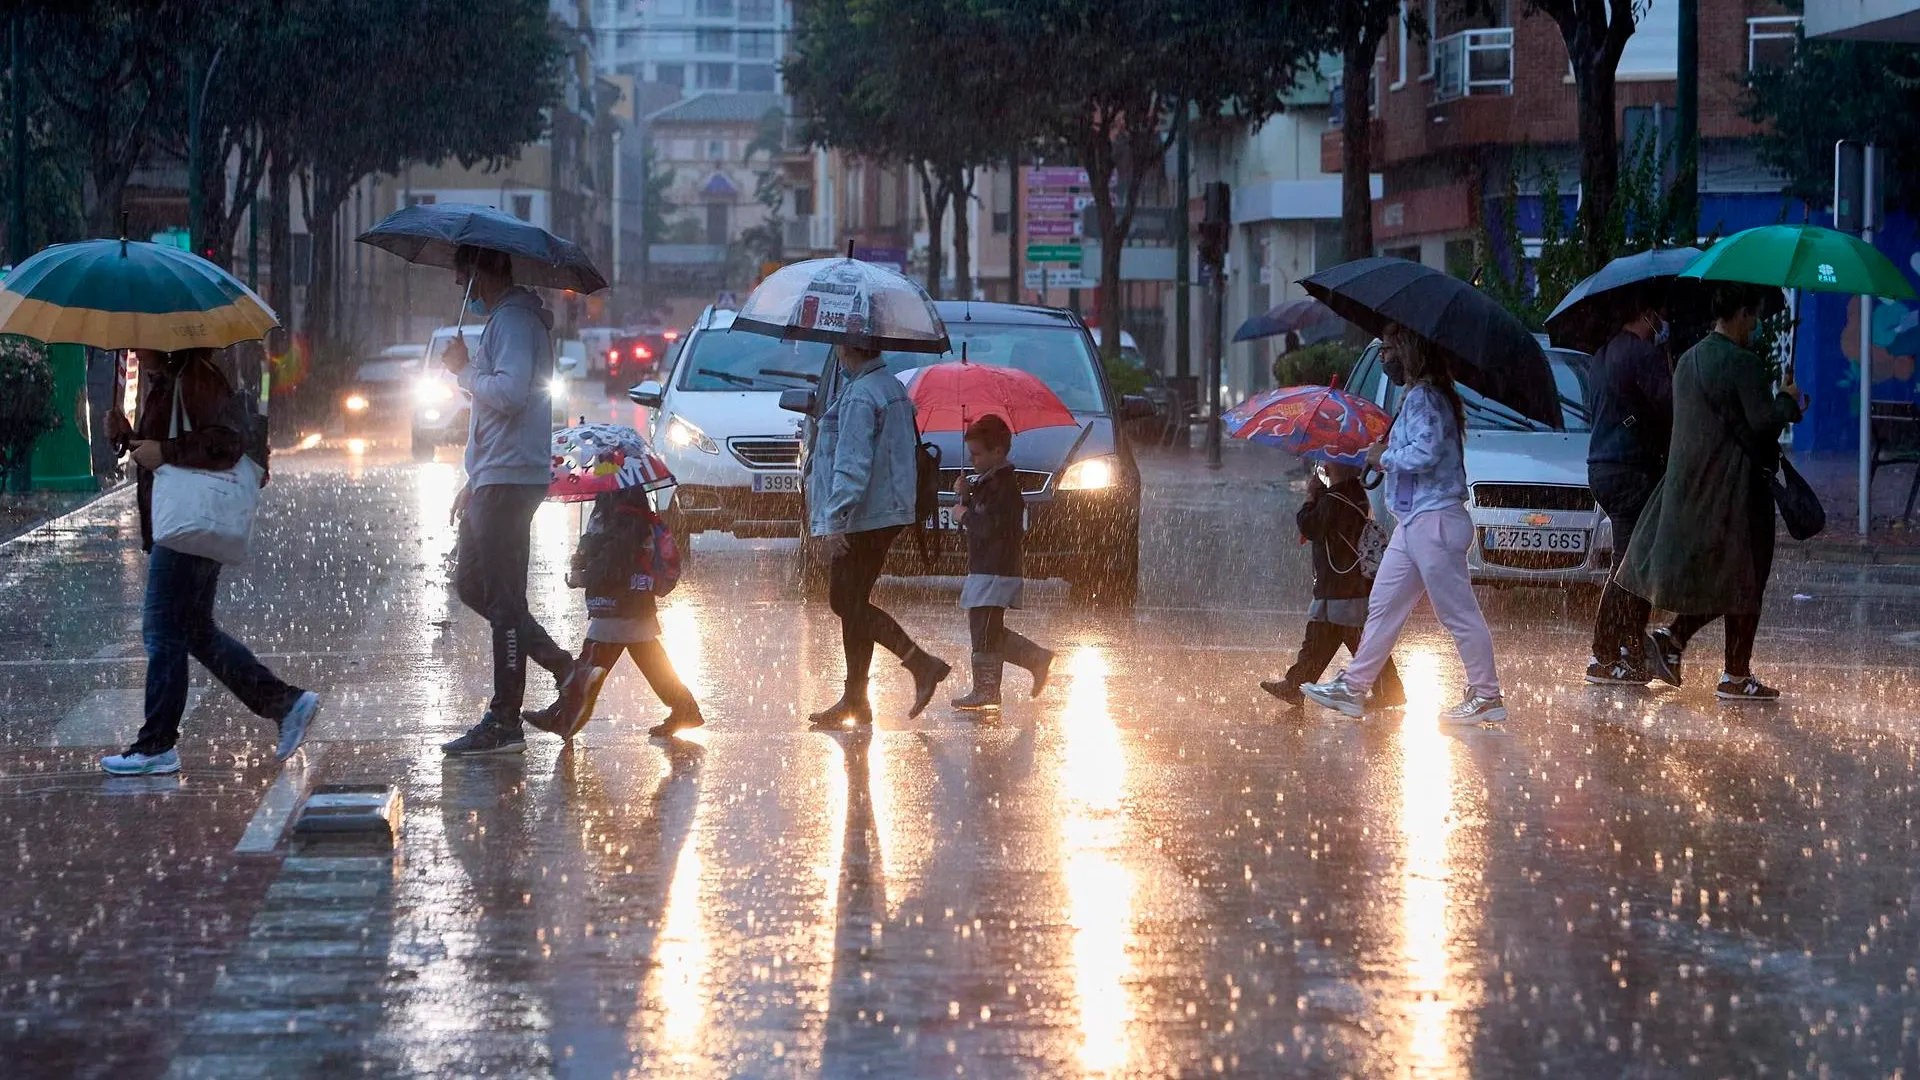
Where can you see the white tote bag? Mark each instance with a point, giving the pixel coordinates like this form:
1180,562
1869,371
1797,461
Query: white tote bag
205,512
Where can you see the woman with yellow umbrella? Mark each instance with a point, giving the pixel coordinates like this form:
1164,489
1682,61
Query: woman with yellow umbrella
189,440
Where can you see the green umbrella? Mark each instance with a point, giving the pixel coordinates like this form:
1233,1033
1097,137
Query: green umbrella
1802,257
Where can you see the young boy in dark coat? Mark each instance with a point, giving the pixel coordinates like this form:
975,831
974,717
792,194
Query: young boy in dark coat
611,564
994,515
1332,519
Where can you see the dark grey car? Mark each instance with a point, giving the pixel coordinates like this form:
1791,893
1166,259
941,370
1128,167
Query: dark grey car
1081,483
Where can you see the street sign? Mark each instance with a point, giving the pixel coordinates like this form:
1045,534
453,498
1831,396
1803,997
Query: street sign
1068,253
1047,278
1053,227
1051,204
727,300
892,258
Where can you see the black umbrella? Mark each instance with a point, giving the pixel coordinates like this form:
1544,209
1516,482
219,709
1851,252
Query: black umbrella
429,234
1591,312
1486,348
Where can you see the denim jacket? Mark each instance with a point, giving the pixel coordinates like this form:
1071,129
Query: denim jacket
1423,462
861,475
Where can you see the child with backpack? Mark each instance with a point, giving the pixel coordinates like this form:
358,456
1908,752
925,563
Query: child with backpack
1335,519
993,513
626,558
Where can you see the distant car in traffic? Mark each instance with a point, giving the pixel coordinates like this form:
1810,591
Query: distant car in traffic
380,389
1081,485
441,408
716,420
1136,375
1535,519
633,357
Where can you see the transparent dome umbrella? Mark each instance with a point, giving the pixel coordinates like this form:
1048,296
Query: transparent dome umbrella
844,301
590,460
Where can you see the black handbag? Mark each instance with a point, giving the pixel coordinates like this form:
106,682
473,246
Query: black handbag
1799,507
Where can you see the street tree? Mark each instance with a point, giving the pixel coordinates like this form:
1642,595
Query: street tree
1834,90
1359,26
1595,33
1104,79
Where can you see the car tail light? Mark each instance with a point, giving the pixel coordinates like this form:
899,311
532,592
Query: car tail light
672,335
641,352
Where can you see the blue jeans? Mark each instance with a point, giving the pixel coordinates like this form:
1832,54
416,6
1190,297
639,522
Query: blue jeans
177,622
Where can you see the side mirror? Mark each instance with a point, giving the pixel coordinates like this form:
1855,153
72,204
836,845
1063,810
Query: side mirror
647,395
800,401
567,365
1135,407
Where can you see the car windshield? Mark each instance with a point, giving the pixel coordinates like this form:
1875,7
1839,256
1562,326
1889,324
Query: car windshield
1570,371
1057,355
723,360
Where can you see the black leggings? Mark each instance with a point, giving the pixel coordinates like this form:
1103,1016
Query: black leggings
850,579
1741,630
991,637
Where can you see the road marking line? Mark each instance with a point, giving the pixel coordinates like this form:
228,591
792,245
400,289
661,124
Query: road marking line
277,805
108,717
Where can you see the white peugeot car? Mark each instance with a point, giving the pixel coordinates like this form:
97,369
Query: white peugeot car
717,422
1535,519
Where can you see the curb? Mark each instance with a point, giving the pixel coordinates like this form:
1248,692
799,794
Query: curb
65,514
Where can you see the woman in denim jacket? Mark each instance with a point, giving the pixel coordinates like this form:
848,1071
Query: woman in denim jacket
860,495
1427,492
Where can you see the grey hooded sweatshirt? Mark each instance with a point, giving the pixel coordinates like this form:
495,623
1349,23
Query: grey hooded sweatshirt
511,432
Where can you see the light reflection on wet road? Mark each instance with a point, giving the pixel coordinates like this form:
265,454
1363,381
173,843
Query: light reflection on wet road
1153,870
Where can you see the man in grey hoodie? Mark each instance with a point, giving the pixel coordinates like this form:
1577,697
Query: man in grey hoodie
508,449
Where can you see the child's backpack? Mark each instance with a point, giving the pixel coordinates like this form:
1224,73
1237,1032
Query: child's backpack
656,565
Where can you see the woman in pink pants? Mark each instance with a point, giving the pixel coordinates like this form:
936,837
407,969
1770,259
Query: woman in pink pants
1427,492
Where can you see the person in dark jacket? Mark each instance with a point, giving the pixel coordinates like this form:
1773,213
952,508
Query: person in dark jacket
993,513
1332,519
176,620
1704,546
1632,401
613,564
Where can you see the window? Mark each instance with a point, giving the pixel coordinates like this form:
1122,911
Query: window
672,43
1433,31
715,76
669,7
523,207
717,214
756,44
756,11
803,201
1771,41
1653,52
422,200
1000,222
716,150
714,9
671,74
756,77
713,39
1400,49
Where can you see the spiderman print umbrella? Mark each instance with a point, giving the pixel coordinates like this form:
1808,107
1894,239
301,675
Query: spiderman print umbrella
595,459
1317,422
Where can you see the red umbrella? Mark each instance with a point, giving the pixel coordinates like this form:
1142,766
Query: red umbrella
948,397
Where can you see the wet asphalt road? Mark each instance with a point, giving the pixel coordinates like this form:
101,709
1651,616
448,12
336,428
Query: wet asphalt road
1153,870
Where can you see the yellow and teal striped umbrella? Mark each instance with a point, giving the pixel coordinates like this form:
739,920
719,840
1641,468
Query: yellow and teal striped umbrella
118,294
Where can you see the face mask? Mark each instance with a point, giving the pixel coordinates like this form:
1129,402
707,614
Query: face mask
477,307
1662,330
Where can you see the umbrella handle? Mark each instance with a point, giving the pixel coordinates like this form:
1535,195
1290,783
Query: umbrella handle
460,317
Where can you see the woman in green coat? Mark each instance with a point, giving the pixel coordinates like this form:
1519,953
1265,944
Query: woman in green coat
1704,545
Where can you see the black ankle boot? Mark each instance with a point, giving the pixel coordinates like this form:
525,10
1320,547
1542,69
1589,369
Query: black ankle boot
928,672
852,708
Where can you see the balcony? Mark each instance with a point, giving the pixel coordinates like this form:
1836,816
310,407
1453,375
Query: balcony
800,234
1473,63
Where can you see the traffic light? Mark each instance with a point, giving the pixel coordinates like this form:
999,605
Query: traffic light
1216,225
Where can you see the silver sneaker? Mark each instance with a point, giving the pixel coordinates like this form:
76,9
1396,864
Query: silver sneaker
1338,696
1476,710
294,725
164,763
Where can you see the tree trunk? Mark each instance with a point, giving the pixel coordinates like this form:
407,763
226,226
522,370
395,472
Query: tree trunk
934,196
961,185
1599,157
280,236
320,298
1356,150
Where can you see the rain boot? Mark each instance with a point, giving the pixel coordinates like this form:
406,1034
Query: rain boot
654,663
928,672
986,684
852,707
1022,653
578,691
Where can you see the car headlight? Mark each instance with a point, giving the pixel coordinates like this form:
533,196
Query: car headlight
432,390
355,403
556,388
1090,474
682,434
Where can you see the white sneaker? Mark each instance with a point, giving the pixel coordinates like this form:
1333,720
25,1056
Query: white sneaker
293,726
1476,710
132,764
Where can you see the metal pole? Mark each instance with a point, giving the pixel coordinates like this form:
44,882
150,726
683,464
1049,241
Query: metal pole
1868,204
616,206
406,278
194,195
1216,319
1014,274
1182,255
17,217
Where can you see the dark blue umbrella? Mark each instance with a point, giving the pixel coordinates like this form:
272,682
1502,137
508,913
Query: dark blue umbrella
428,234
1299,315
1591,312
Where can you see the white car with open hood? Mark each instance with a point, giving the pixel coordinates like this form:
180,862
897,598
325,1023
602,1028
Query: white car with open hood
1535,518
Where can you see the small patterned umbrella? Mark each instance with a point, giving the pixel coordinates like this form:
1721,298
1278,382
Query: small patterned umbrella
949,397
595,459
1317,422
